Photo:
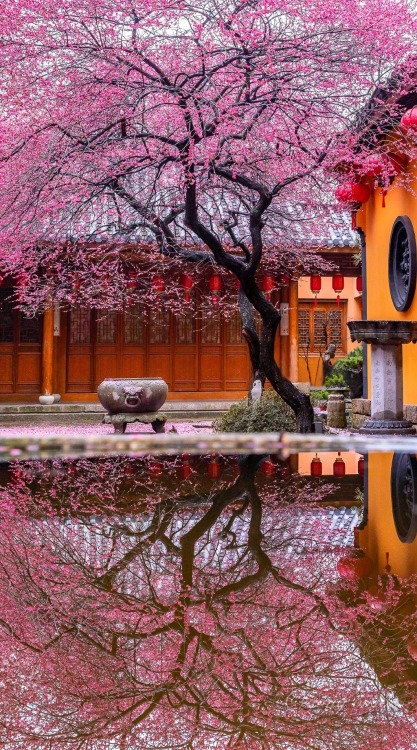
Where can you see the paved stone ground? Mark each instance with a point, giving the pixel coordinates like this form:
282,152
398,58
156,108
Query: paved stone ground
14,430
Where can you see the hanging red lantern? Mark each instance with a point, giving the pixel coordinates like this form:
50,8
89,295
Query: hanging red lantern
316,467
338,284
353,193
409,120
361,466
268,468
315,286
339,467
185,470
268,285
359,284
187,283
215,287
214,468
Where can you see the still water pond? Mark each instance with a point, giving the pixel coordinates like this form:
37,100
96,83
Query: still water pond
209,602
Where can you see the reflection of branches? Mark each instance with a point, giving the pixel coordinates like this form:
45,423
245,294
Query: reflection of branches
185,624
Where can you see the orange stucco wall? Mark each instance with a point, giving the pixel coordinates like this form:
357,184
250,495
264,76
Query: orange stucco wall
380,535
353,300
377,223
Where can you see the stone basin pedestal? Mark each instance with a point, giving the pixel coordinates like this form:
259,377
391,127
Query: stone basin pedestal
130,400
386,338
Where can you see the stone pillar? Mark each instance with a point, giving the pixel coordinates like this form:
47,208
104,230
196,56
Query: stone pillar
387,408
47,358
284,333
293,332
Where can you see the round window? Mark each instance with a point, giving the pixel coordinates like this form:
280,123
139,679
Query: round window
402,263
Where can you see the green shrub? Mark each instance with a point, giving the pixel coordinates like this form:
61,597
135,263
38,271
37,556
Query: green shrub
352,361
317,397
269,414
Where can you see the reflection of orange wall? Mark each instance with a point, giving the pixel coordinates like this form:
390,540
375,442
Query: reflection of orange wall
380,535
327,459
377,224
354,312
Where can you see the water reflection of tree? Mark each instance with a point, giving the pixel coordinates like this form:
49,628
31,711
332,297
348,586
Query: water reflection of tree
201,622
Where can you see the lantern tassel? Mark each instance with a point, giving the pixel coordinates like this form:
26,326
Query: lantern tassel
384,192
353,217
338,300
315,301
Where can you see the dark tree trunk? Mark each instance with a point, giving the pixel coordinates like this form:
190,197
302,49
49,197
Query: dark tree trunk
251,337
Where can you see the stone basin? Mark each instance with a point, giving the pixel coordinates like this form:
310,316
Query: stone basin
132,395
383,332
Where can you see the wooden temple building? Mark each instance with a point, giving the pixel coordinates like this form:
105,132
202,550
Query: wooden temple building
201,356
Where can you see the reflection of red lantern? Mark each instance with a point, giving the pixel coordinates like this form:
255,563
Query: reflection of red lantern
155,468
158,283
412,648
185,469
129,469
284,280
361,466
409,121
268,285
215,287
214,468
268,468
359,284
338,284
315,286
353,568
339,467
316,467
187,283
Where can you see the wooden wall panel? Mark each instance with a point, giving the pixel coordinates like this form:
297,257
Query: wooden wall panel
6,372
105,366
211,369
236,370
159,365
79,375
184,370
28,372
132,365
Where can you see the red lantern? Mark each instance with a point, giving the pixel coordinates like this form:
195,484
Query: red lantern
158,284
187,283
215,286
185,469
353,568
361,466
316,467
214,468
268,285
155,468
315,286
359,284
352,192
132,281
339,467
268,468
409,120
338,284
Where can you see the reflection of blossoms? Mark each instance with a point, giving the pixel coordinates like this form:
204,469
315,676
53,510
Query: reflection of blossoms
198,620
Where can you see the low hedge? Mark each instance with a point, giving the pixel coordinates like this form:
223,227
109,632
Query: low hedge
269,414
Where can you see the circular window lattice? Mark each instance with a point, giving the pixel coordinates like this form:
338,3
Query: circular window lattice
402,263
404,495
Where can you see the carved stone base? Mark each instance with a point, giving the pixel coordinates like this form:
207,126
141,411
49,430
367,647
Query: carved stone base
387,427
119,421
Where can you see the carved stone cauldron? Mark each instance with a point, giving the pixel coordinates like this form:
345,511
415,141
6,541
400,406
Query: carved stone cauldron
132,395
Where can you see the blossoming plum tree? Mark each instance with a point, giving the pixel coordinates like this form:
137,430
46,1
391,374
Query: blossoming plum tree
196,132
